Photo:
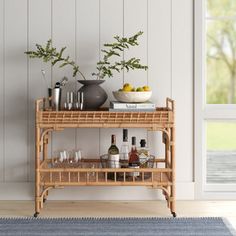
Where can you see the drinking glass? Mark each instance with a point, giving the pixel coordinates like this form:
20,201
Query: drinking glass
77,155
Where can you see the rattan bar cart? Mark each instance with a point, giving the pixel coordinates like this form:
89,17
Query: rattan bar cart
49,175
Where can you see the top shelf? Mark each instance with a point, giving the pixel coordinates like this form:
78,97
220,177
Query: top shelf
163,117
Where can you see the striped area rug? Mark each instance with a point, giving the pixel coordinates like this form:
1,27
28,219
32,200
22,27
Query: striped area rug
116,226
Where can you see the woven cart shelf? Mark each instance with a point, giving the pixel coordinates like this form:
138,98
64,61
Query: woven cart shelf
50,173
162,117
81,174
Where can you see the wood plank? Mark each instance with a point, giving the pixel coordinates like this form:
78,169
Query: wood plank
63,34
159,50
182,85
135,19
87,34
112,12
159,61
2,41
87,51
16,90
37,88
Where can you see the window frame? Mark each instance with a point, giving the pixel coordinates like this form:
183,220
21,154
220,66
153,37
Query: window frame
204,112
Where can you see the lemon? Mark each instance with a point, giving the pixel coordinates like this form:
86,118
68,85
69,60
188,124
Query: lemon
133,89
127,88
127,85
139,89
146,88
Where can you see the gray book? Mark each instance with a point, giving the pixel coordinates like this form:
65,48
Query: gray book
130,106
131,110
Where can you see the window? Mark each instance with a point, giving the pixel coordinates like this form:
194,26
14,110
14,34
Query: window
215,97
221,152
221,51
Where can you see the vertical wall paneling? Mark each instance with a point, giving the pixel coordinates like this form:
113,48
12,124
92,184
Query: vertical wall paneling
159,53
39,32
87,34
159,60
182,85
2,91
16,90
111,24
135,19
83,26
63,34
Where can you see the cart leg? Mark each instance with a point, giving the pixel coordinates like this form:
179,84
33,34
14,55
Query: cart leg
172,203
37,174
45,156
36,214
37,201
164,193
45,146
173,214
45,196
172,193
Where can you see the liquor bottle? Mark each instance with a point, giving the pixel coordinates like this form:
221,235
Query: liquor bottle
124,150
113,156
143,153
134,158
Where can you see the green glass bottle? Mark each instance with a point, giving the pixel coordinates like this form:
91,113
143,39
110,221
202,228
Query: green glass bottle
113,156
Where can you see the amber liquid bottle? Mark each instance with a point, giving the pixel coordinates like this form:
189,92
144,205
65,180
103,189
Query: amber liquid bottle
134,158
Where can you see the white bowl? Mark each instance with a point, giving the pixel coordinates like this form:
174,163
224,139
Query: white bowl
122,96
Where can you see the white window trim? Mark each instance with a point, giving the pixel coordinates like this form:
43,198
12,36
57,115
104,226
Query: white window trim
203,112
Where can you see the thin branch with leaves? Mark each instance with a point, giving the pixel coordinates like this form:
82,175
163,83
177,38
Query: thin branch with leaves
105,67
50,54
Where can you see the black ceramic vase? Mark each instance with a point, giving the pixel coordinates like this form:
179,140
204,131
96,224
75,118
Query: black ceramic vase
94,95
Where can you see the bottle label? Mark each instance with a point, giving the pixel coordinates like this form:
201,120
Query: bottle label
124,156
113,161
142,158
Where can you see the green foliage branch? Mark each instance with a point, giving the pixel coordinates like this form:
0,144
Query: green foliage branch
49,53
105,67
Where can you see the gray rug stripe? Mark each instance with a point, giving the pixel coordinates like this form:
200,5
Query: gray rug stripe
116,226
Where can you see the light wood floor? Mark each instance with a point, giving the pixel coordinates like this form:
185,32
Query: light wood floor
120,208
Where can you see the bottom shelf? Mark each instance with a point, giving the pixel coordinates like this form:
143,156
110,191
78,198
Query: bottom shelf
90,173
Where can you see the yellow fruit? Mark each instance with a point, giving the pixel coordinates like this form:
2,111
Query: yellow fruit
126,85
146,88
127,88
139,89
133,89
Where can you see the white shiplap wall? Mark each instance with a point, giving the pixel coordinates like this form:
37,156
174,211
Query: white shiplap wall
83,26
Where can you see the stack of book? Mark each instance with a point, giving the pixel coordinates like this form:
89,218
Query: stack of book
136,107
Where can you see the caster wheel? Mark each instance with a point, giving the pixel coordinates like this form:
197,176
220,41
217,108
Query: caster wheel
44,200
173,214
36,214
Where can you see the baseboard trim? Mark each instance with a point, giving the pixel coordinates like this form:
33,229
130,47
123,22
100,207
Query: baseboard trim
25,191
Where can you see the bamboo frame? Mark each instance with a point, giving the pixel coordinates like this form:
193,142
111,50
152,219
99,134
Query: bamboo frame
48,175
